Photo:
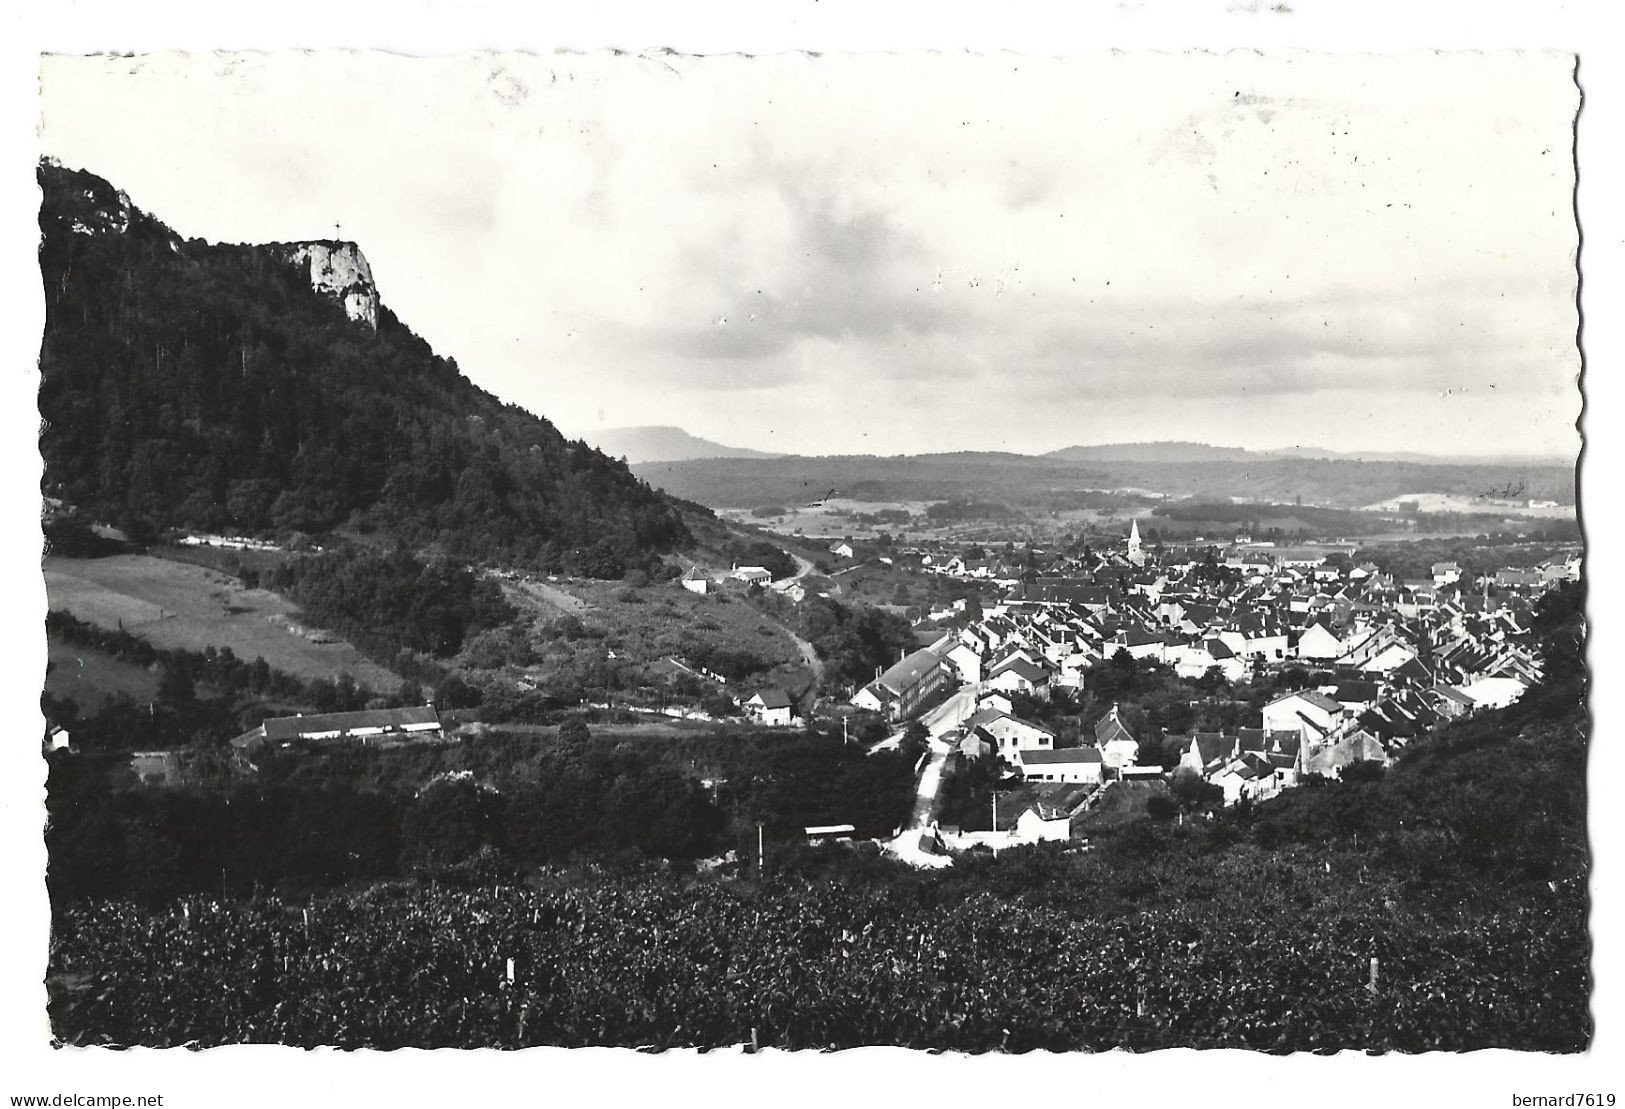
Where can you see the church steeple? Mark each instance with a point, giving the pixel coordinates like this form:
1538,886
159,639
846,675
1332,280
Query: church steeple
1136,553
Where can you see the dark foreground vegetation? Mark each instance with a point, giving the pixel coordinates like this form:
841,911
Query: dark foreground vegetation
1462,871
653,962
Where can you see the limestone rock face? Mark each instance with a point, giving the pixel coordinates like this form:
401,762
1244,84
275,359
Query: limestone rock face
340,270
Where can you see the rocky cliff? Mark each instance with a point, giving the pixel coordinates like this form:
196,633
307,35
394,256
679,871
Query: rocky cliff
339,270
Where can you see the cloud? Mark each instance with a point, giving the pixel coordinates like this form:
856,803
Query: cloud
881,248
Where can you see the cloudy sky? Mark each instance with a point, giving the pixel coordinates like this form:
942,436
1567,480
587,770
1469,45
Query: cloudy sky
895,254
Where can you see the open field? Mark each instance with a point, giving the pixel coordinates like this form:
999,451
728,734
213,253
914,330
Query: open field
645,625
88,677
177,605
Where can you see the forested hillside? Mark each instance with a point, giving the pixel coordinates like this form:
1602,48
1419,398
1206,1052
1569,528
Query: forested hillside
187,384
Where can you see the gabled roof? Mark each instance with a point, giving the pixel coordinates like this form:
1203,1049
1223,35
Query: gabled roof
1036,675
771,699
1313,696
343,723
1069,756
1211,746
1111,728
910,671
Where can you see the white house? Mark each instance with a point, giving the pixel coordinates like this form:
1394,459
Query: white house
995,700
1389,659
1245,776
1310,713
1038,825
966,661
1017,675
1317,642
901,690
752,575
1010,735
771,707
1118,747
1494,693
696,582
1074,764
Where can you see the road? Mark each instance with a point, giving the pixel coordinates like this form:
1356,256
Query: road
951,713
939,721
925,794
803,568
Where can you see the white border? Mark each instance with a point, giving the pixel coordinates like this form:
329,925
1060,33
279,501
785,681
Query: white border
252,1077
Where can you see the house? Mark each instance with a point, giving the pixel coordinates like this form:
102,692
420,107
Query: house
995,700
1445,573
841,550
1073,764
1042,824
1118,747
966,661
902,690
752,575
829,833
1356,697
976,745
1139,644
771,707
1494,693
1310,713
1329,759
695,581
1211,654
1017,674
368,725
1206,752
1008,734
1518,579
1450,703
1317,642
1246,776
1389,659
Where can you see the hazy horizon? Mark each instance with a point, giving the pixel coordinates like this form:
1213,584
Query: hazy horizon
882,254
1488,456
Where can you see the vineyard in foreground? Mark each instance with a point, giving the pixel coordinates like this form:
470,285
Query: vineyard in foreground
658,963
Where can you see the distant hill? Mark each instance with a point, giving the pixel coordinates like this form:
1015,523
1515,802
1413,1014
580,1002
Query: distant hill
1180,451
266,390
662,444
1051,484
1176,451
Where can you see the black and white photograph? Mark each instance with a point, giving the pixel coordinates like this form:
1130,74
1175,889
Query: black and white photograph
982,552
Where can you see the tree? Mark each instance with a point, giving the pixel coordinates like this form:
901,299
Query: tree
574,732
915,740
1194,792
175,686
448,823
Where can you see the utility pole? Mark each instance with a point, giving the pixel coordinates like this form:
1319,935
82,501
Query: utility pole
846,739
761,860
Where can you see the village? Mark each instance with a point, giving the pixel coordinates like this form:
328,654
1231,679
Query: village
1362,663
1377,662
